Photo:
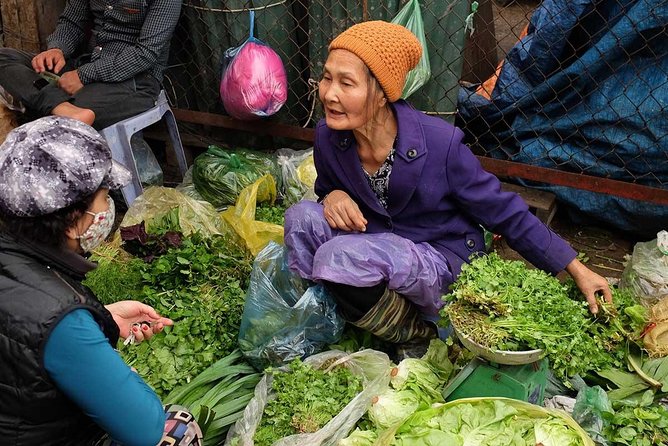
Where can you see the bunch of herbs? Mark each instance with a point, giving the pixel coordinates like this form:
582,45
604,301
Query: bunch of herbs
304,400
199,284
505,305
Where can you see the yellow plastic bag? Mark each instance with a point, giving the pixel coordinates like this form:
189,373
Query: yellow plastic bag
240,219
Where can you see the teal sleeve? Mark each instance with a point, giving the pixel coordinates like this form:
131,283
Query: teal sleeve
84,366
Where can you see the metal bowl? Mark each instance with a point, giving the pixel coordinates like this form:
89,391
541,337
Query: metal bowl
504,357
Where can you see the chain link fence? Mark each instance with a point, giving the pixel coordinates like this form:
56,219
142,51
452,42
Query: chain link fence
575,87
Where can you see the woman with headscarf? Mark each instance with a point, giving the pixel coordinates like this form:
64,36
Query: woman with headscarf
61,380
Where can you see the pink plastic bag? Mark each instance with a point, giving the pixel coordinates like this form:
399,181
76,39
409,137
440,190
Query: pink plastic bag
254,83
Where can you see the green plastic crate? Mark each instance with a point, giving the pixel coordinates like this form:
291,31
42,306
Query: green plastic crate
483,379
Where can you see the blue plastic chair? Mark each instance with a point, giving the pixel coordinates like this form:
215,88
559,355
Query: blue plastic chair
118,137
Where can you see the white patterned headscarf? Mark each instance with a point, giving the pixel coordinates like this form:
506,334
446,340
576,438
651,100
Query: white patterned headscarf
52,163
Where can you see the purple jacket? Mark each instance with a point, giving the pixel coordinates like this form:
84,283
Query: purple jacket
438,193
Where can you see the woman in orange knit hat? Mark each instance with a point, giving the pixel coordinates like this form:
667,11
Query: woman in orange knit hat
401,198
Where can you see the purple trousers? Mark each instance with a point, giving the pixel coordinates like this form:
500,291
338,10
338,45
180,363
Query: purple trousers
317,252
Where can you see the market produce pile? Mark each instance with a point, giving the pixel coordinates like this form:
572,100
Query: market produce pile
196,281
193,263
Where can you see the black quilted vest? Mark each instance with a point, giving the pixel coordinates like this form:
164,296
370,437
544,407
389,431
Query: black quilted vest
39,286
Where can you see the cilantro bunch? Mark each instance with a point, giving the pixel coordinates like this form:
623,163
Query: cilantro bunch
506,306
304,400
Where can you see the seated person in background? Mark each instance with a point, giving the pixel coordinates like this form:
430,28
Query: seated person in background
61,380
113,76
401,198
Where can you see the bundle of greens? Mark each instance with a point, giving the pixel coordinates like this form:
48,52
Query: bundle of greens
640,424
305,399
217,396
198,282
504,305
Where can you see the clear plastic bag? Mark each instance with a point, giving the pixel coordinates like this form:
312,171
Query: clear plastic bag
373,366
284,318
254,83
192,215
410,17
220,175
297,175
150,173
646,272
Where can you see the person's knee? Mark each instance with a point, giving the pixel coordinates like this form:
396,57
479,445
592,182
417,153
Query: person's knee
9,55
303,214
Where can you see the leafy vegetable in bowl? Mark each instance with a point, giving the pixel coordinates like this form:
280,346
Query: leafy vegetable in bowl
504,305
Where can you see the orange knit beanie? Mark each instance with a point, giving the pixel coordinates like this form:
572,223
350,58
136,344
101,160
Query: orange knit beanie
389,50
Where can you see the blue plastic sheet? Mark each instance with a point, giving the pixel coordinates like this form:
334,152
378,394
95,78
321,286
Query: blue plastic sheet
284,318
586,91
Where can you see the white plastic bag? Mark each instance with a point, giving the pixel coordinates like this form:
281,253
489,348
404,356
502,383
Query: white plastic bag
372,365
646,272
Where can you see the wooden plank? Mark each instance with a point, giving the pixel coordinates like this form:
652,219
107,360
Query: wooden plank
19,24
48,12
260,127
544,203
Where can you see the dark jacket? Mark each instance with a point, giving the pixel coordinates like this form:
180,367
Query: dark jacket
38,287
439,193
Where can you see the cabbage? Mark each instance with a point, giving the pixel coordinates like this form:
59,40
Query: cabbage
489,422
359,438
427,375
392,407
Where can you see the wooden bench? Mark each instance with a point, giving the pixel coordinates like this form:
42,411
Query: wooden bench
544,204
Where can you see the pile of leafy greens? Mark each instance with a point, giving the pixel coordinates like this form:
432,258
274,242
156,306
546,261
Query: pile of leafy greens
505,305
415,384
196,281
487,422
639,424
305,399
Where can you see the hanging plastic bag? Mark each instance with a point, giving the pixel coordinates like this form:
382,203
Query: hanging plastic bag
646,272
283,317
150,173
254,83
220,175
410,17
189,215
297,174
373,366
240,219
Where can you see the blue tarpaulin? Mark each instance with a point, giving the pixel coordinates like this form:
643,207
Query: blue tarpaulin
585,91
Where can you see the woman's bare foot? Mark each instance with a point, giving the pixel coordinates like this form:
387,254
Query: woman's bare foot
72,111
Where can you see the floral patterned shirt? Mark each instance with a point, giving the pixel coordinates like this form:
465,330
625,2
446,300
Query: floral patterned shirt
380,181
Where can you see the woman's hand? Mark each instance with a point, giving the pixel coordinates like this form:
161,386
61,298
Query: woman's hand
140,319
589,283
342,212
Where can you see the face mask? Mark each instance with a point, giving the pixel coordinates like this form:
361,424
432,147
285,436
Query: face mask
99,229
